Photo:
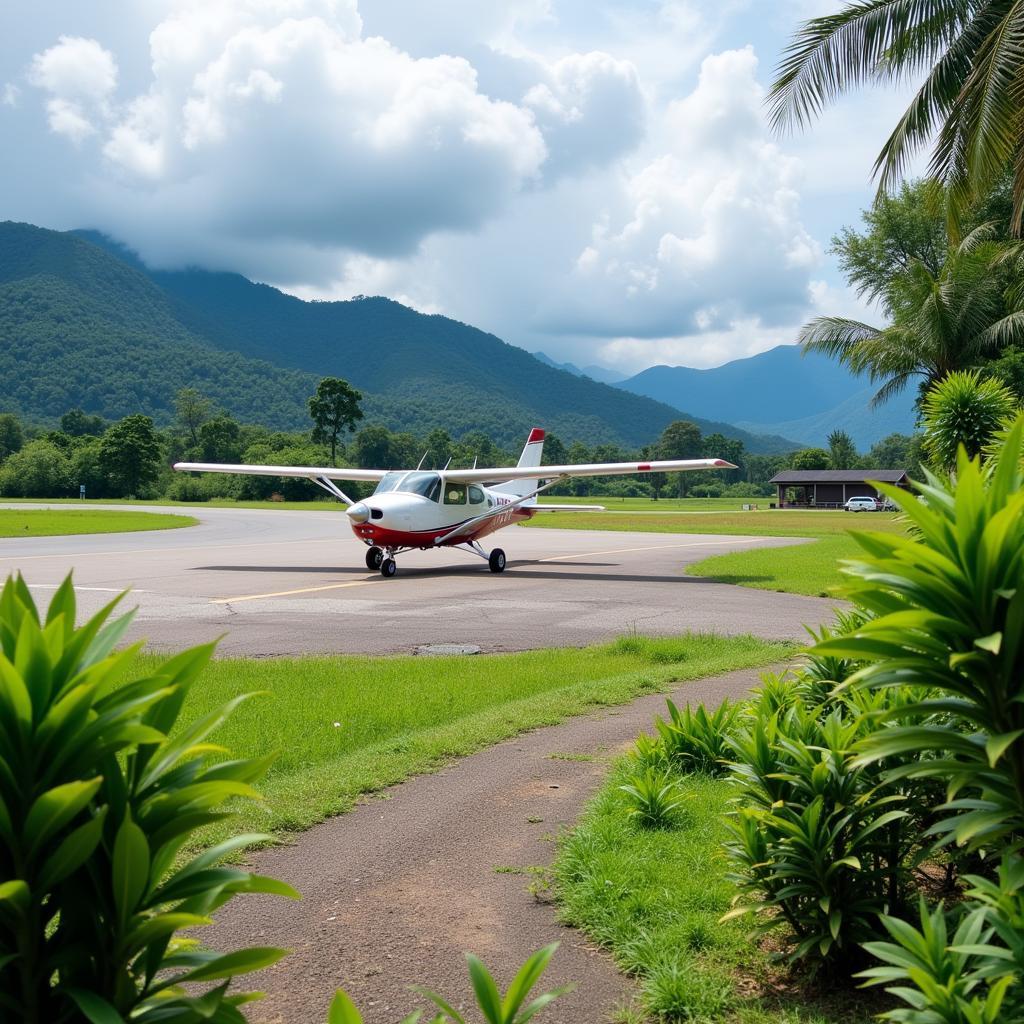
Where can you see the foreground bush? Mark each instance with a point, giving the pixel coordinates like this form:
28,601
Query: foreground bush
100,792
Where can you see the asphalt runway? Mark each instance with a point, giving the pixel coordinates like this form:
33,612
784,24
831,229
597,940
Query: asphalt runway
290,582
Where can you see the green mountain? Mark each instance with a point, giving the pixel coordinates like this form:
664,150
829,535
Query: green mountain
82,322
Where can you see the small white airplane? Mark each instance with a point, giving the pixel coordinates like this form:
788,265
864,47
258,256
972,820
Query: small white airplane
428,509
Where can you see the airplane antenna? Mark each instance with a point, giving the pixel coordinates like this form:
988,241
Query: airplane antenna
425,454
448,463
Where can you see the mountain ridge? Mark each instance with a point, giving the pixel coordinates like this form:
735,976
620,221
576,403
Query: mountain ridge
231,337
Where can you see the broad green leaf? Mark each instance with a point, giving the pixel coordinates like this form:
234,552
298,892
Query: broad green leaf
130,867
343,1010
72,853
55,808
486,991
241,962
95,1009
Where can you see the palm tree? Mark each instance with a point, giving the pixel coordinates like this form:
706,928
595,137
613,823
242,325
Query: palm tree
972,55
942,322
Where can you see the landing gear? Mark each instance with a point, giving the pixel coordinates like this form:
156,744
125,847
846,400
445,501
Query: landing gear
374,558
388,568
496,560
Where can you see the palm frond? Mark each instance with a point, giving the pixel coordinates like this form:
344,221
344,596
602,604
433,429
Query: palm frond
1007,331
837,337
868,39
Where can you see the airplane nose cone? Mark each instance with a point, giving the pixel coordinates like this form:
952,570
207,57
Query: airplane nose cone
358,513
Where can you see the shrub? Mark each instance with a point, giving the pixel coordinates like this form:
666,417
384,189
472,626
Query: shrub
816,848
964,410
100,794
39,470
653,799
948,606
696,740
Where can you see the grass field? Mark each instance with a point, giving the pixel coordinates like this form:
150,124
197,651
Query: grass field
654,899
801,569
43,523
346,726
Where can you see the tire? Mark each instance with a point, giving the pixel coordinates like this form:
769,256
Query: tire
496,560
388,568
374,558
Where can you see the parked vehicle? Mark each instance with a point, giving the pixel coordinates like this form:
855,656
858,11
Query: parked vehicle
861,505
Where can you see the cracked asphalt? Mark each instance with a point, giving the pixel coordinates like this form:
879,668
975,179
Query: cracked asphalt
294,582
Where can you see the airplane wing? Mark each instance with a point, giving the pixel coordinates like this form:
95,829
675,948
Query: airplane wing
310,472
483,476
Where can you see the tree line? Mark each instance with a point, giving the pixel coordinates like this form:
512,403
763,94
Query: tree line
132,457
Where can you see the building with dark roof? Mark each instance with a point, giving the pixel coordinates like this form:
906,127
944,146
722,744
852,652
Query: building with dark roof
831,488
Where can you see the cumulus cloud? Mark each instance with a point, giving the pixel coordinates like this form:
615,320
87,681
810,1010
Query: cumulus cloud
713,234
590,110
271,124
80,75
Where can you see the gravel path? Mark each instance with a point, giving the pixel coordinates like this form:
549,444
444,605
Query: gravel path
395,891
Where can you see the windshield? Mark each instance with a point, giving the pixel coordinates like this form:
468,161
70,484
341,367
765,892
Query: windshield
427,485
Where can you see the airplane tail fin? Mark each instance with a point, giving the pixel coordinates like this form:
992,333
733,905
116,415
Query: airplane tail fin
531,456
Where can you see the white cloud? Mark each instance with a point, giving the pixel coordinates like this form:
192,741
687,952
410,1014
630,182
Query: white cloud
79,74
713,236
590,110
10,95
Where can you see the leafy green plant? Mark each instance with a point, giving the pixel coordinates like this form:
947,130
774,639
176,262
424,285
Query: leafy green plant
816,847
653,799
965,410
494,1008
649,753
948,606
950,982
100,791
695,740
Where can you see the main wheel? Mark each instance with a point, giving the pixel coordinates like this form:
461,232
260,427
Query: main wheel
497,560
374,557
388,568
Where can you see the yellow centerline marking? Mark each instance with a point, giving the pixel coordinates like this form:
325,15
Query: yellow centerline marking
287,593
652,547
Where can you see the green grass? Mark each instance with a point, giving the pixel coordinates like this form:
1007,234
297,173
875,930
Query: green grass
654,899
810,569
327,505
346,726
40,523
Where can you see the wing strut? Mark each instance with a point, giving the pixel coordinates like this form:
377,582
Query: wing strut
332,488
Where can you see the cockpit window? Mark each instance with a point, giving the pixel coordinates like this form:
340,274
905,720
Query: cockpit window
455,494
427,485
475,496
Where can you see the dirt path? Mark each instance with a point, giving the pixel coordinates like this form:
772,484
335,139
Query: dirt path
395,891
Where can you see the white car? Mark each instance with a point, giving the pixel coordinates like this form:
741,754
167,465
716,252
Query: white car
861,505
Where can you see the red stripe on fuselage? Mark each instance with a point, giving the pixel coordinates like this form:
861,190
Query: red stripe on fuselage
370,533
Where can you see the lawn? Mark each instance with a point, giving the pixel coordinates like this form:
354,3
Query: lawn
810,569
45,523
654,899
345,726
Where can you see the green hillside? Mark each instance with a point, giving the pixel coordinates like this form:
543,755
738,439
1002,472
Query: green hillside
82,323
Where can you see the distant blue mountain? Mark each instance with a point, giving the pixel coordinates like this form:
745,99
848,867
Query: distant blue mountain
780,392
599,373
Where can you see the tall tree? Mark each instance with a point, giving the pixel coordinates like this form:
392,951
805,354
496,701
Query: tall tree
334,408
681,439
130,454
809,458
192,410
77,423
969,104
842,452
220,440
941,322
11,435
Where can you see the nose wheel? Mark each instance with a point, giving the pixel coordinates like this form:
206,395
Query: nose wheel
388,567
496,560
375,559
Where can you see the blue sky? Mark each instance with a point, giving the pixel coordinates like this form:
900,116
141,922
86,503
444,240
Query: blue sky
594,179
